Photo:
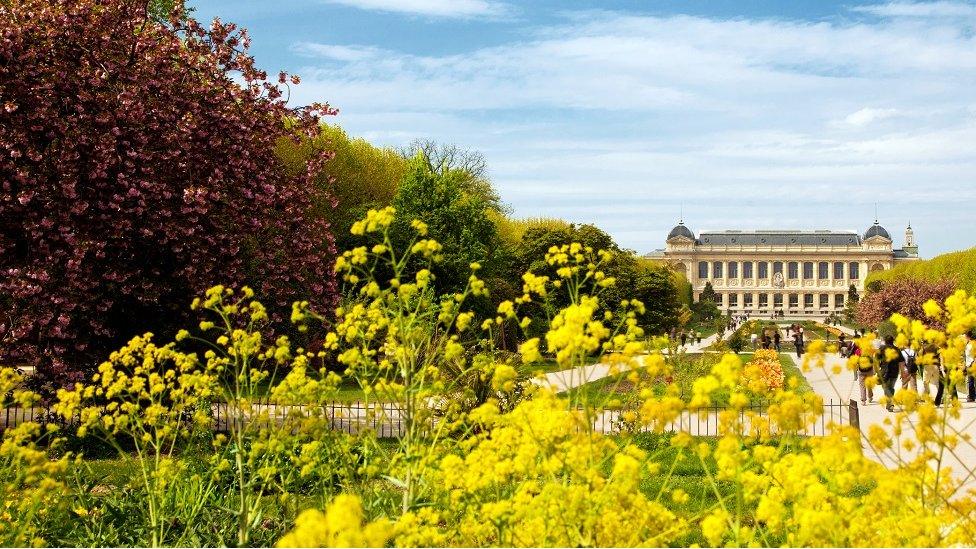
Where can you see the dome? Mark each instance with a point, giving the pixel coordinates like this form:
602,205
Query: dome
876,230
681,230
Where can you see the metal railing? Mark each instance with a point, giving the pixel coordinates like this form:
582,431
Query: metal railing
388,419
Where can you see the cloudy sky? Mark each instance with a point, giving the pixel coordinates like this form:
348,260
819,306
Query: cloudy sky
745,113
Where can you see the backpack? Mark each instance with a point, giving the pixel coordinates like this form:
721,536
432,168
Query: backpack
910,364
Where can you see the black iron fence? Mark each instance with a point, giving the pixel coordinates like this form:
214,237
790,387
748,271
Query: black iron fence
389,419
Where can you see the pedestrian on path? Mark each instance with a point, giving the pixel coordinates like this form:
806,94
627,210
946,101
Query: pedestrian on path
970,367
864,371
931,371
891,361
776,339
909,370
698,337
684,338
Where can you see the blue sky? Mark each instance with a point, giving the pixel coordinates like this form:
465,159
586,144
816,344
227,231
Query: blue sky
750,114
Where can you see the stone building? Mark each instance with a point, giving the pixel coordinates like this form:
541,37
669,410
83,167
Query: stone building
793,273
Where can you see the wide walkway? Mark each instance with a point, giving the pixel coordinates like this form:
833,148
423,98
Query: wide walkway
574,377
844,387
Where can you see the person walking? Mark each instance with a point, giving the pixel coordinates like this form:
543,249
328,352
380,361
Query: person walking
932,371
842,345
970,366
891,361
909,370
864,371
798,343
684,337
776,339
698,337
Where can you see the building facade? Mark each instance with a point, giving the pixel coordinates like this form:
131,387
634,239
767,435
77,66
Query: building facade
788,273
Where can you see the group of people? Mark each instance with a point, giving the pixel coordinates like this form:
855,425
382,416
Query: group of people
896,364
683,336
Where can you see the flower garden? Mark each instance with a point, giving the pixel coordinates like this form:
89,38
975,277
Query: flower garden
521,466
187,359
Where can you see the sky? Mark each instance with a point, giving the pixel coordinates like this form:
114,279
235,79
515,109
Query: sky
740,114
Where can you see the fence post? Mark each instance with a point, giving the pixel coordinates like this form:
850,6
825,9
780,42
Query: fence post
854,414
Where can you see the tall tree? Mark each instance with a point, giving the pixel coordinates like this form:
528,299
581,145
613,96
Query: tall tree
138,168
470,166
455,217
358,177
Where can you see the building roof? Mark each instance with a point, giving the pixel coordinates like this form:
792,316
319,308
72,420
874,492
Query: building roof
779,238
876,230
681,230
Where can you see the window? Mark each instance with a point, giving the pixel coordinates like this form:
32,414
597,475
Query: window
824,301
808,301
794,301
778,300
764,300
839,301
839,270
733,300
794,270
747,269
717,269
854,269
747,300
808,270
702,269
763,269
734,269
823,270
777,267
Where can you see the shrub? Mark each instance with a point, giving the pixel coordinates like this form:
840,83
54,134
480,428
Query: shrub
959,267
905,296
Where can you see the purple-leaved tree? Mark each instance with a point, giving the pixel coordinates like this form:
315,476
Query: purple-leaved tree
137,168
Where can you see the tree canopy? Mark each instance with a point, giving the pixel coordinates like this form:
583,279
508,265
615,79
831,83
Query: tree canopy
138,169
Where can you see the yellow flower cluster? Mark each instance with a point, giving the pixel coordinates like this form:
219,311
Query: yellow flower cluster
31,484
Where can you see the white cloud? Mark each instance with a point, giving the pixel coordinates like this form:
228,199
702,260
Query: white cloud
920,9
337,52
868,115
618,119
432,8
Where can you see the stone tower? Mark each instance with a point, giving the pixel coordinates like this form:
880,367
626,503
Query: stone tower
910,247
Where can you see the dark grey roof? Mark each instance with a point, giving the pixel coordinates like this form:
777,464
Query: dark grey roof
876,230
902,254
779,238
681,230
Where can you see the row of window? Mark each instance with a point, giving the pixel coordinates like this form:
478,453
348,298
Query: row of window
821,269
793,300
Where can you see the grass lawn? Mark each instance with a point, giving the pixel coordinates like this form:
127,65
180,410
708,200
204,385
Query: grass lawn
687,369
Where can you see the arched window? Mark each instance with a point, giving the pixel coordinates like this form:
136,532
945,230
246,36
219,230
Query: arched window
854,270
793,269
702,269
823,270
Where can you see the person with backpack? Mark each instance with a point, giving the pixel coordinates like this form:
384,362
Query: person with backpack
891,362
909,370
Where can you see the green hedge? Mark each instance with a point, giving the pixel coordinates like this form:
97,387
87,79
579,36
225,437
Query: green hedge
960,266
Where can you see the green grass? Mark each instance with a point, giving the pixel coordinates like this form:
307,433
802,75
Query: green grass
687,369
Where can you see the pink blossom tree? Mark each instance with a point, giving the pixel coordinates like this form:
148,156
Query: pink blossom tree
137,168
